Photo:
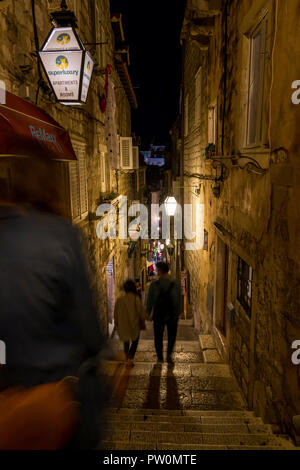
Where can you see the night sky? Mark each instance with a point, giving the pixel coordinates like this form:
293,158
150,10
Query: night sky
152,30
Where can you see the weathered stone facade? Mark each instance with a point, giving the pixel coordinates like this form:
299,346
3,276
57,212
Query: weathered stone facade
86,125
256,216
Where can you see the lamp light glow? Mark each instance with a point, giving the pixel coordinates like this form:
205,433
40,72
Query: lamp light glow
170,205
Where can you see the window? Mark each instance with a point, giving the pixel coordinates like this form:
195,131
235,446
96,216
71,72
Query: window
186,116
198,93
245,281
212,125
78,184
103,172
258,40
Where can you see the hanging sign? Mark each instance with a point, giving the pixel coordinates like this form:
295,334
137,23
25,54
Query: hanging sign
87,75
68,66
63,72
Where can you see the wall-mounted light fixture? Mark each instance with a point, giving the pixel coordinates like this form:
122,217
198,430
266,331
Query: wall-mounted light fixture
66,62
170,205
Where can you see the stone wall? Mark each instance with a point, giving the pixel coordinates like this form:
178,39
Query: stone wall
18,68
257,215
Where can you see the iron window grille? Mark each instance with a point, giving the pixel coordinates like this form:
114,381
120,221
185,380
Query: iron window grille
245,285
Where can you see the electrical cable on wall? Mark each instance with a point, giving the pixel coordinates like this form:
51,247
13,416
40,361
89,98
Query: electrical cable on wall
37,47
225,80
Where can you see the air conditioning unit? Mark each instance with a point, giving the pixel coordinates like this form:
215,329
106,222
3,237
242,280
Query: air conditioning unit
136,153
126,153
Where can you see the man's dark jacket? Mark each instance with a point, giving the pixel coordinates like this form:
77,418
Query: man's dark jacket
47,316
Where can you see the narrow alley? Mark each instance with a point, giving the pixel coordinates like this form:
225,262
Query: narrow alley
149,200
195,404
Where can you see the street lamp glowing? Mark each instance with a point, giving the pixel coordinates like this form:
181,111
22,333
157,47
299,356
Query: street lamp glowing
66,62
162,246
170,205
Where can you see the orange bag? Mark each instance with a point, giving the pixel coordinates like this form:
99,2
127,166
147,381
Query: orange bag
40,418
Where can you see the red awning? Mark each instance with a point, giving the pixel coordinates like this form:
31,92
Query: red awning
26,130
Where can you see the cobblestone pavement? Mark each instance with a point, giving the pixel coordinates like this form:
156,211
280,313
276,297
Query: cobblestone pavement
194,404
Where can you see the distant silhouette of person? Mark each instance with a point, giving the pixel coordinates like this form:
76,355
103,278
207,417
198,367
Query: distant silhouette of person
138,288
164,306
129,316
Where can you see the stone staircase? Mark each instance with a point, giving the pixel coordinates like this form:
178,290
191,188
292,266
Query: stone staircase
195,405
131,429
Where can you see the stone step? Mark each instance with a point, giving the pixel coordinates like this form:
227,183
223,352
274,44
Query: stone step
243,428
187,322
109,445
147,345
180,369
190,357
194,438
191,413
216,447
209,349
210,420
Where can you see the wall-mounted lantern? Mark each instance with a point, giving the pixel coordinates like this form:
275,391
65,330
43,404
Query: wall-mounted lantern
170,247
170,205
170,250
66,62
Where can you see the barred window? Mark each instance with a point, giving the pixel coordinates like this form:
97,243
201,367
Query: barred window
244,288
198,96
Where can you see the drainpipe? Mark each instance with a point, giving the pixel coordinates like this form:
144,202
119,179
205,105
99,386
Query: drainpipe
182,152
225,77
182,167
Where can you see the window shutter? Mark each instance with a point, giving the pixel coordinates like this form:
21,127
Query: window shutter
212,125
74,189
256,83
83,181
103,172
126,153
78,182
198,91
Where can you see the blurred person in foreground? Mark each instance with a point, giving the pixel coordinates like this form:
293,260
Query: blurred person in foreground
129,316
164,307
51,392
